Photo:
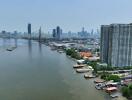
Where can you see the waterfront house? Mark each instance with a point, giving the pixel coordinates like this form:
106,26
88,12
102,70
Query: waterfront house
86,54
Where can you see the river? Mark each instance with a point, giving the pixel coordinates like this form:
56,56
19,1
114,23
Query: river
34,72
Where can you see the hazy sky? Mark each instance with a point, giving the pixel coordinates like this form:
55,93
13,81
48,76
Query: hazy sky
69,14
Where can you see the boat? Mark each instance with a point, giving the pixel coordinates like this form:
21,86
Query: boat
82,70
115,95
82,61
89,76
111,89
99,81
78,66
99,86
11,48
112,84
61,51
53,48
90,68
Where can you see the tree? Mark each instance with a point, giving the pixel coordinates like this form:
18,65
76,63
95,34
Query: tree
125,91
130,87
71,52
94,65
115,78
106,76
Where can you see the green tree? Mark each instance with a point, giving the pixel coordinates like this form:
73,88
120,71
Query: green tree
115,78
104,75
94,65
73,53
125,91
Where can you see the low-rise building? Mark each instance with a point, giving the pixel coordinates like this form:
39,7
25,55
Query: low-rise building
86,54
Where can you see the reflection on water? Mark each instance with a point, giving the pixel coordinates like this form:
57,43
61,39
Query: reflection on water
40,48
15,42
5,43
30,48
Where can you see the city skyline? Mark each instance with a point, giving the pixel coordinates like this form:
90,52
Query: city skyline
49,14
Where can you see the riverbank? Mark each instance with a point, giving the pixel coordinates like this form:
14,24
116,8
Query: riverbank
80,70
89,83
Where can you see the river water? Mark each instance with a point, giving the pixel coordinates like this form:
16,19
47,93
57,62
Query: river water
34,72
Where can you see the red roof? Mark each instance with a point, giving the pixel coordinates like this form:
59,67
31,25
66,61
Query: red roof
85,54
111,89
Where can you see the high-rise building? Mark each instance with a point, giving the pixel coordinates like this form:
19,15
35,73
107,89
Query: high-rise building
83,33
61,31
29,30
54,33
104,43
58,32
116,44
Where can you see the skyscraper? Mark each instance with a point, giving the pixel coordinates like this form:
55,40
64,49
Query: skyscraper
54,33
83,33
104,43
116,44
29,30
58,32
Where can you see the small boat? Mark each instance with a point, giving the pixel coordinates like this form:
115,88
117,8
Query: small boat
53,49
82,70
11,48
99,81
78,66
8,49
61,51
99,86
115,95
111,89
89,76
91,68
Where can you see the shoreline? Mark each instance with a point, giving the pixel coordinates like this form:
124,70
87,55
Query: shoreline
92,79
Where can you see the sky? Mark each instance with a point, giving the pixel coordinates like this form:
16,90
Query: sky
68,14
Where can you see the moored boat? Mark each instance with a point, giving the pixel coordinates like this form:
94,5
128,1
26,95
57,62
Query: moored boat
89,76
61,51
111,89
78,66
99,86
82,70
11,48
115,95
99,81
